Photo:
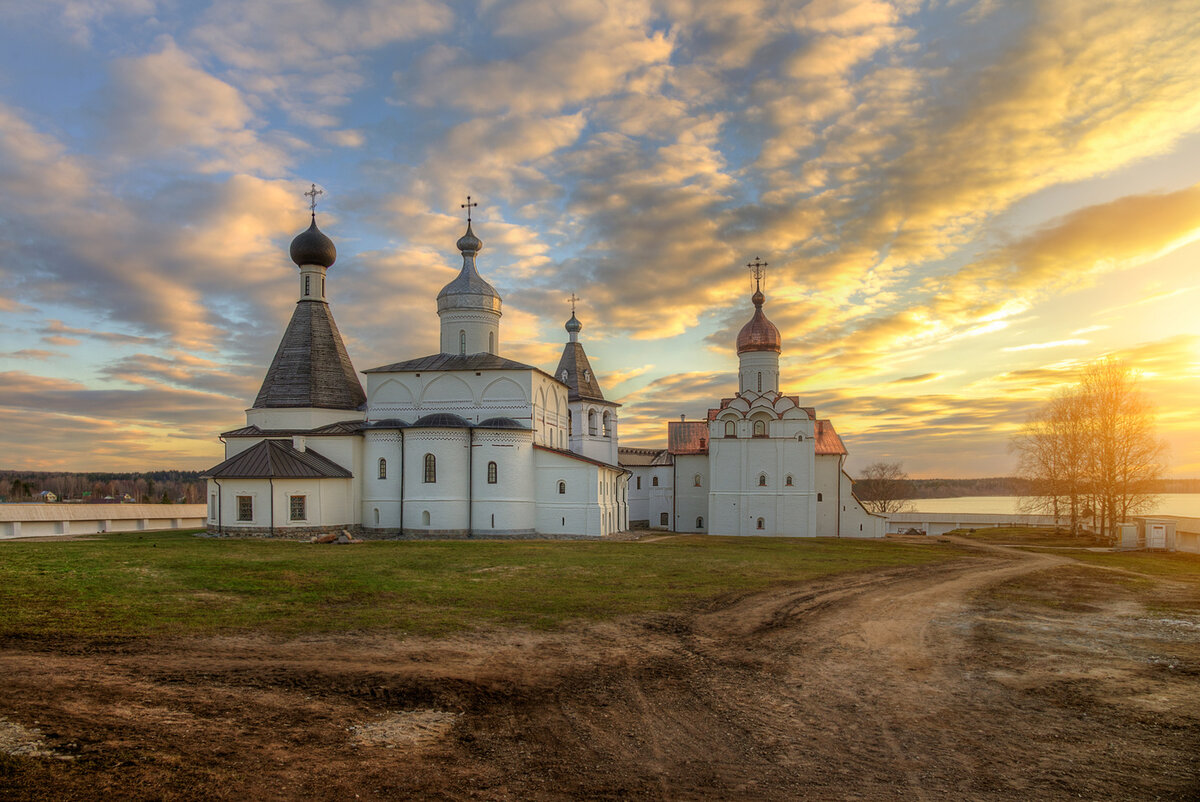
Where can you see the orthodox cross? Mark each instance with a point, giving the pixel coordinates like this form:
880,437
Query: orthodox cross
312,196
573,299
756,270
468,206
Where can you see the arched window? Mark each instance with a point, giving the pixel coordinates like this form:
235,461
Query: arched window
592,422
730,428
491,473
696,480
563,376
491,342
462,343
377,516
562,488
759,524
760,428
587,375
382,468
430,469
762,480
788,480
819,497
760,381
654,481
700,523
607,425
425,518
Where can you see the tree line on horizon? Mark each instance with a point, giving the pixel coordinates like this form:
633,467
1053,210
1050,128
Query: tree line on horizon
149,487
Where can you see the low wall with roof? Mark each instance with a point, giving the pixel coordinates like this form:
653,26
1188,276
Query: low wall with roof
939,523
41,520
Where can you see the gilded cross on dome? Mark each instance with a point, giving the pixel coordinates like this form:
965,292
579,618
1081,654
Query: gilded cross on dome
312,196
756,270
468,206
573,299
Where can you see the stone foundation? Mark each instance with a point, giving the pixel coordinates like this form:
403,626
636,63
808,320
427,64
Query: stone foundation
306,533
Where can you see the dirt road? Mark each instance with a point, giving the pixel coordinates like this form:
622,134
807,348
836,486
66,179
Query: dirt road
1007,674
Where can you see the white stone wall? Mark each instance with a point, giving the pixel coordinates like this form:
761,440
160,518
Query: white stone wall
438,507
661,495
506,507
738,500
588,432
758,371
828,487
328,503
595,501
305,418
855,520
381,498
691,501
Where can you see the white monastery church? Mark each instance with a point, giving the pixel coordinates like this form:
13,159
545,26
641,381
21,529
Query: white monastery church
468,443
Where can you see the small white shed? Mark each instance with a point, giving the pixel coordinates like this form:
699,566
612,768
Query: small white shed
1129,537
1159,533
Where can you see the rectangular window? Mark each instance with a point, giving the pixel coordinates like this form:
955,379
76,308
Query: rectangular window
245,505
662,519
296,508
639,483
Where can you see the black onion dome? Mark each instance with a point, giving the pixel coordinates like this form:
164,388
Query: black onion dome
445,420
500,423
311,247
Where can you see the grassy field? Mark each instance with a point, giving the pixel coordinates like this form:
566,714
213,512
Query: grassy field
132,585
1029,536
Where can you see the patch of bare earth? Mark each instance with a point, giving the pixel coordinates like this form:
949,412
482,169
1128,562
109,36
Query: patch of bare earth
1007,674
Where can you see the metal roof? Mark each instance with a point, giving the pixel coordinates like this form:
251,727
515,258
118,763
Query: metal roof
581,458
580,378
828,441
454,362
687,437
276,459
311,367
442,420
643,457
343,427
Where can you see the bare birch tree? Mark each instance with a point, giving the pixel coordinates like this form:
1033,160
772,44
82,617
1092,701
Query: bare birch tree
1092,451
883,487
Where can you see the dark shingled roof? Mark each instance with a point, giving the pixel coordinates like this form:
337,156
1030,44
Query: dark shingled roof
276,459
575,362
500,423
643,457
342,427
455,362
311,367
443,420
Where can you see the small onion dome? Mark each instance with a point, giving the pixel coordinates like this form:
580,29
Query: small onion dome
443,420
470,242
313,248
573,325
500,423
759,334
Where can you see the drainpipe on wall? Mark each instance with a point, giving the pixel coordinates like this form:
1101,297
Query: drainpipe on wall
841,462
272,494
220,495
674,490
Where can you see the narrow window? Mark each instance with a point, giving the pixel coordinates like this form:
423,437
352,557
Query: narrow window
860,527
493,520
587,375
430,469
730,429
696,480
607,425
491,473
245,507
462,343
760,428
212,507
762,480
296,505
564,377
759,524
562,488
788,480
491,342
382,468
322,286
819,497
570,419
425,518
700,523
662,519
639,483
760,381
307,281
654,481
377,516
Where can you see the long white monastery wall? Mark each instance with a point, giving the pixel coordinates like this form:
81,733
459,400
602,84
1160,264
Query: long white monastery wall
40,520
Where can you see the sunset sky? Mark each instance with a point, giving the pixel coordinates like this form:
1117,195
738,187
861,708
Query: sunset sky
961,203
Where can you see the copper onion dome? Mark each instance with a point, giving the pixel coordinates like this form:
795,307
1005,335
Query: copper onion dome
311,247
759,334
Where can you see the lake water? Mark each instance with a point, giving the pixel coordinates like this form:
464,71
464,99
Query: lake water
1183,504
